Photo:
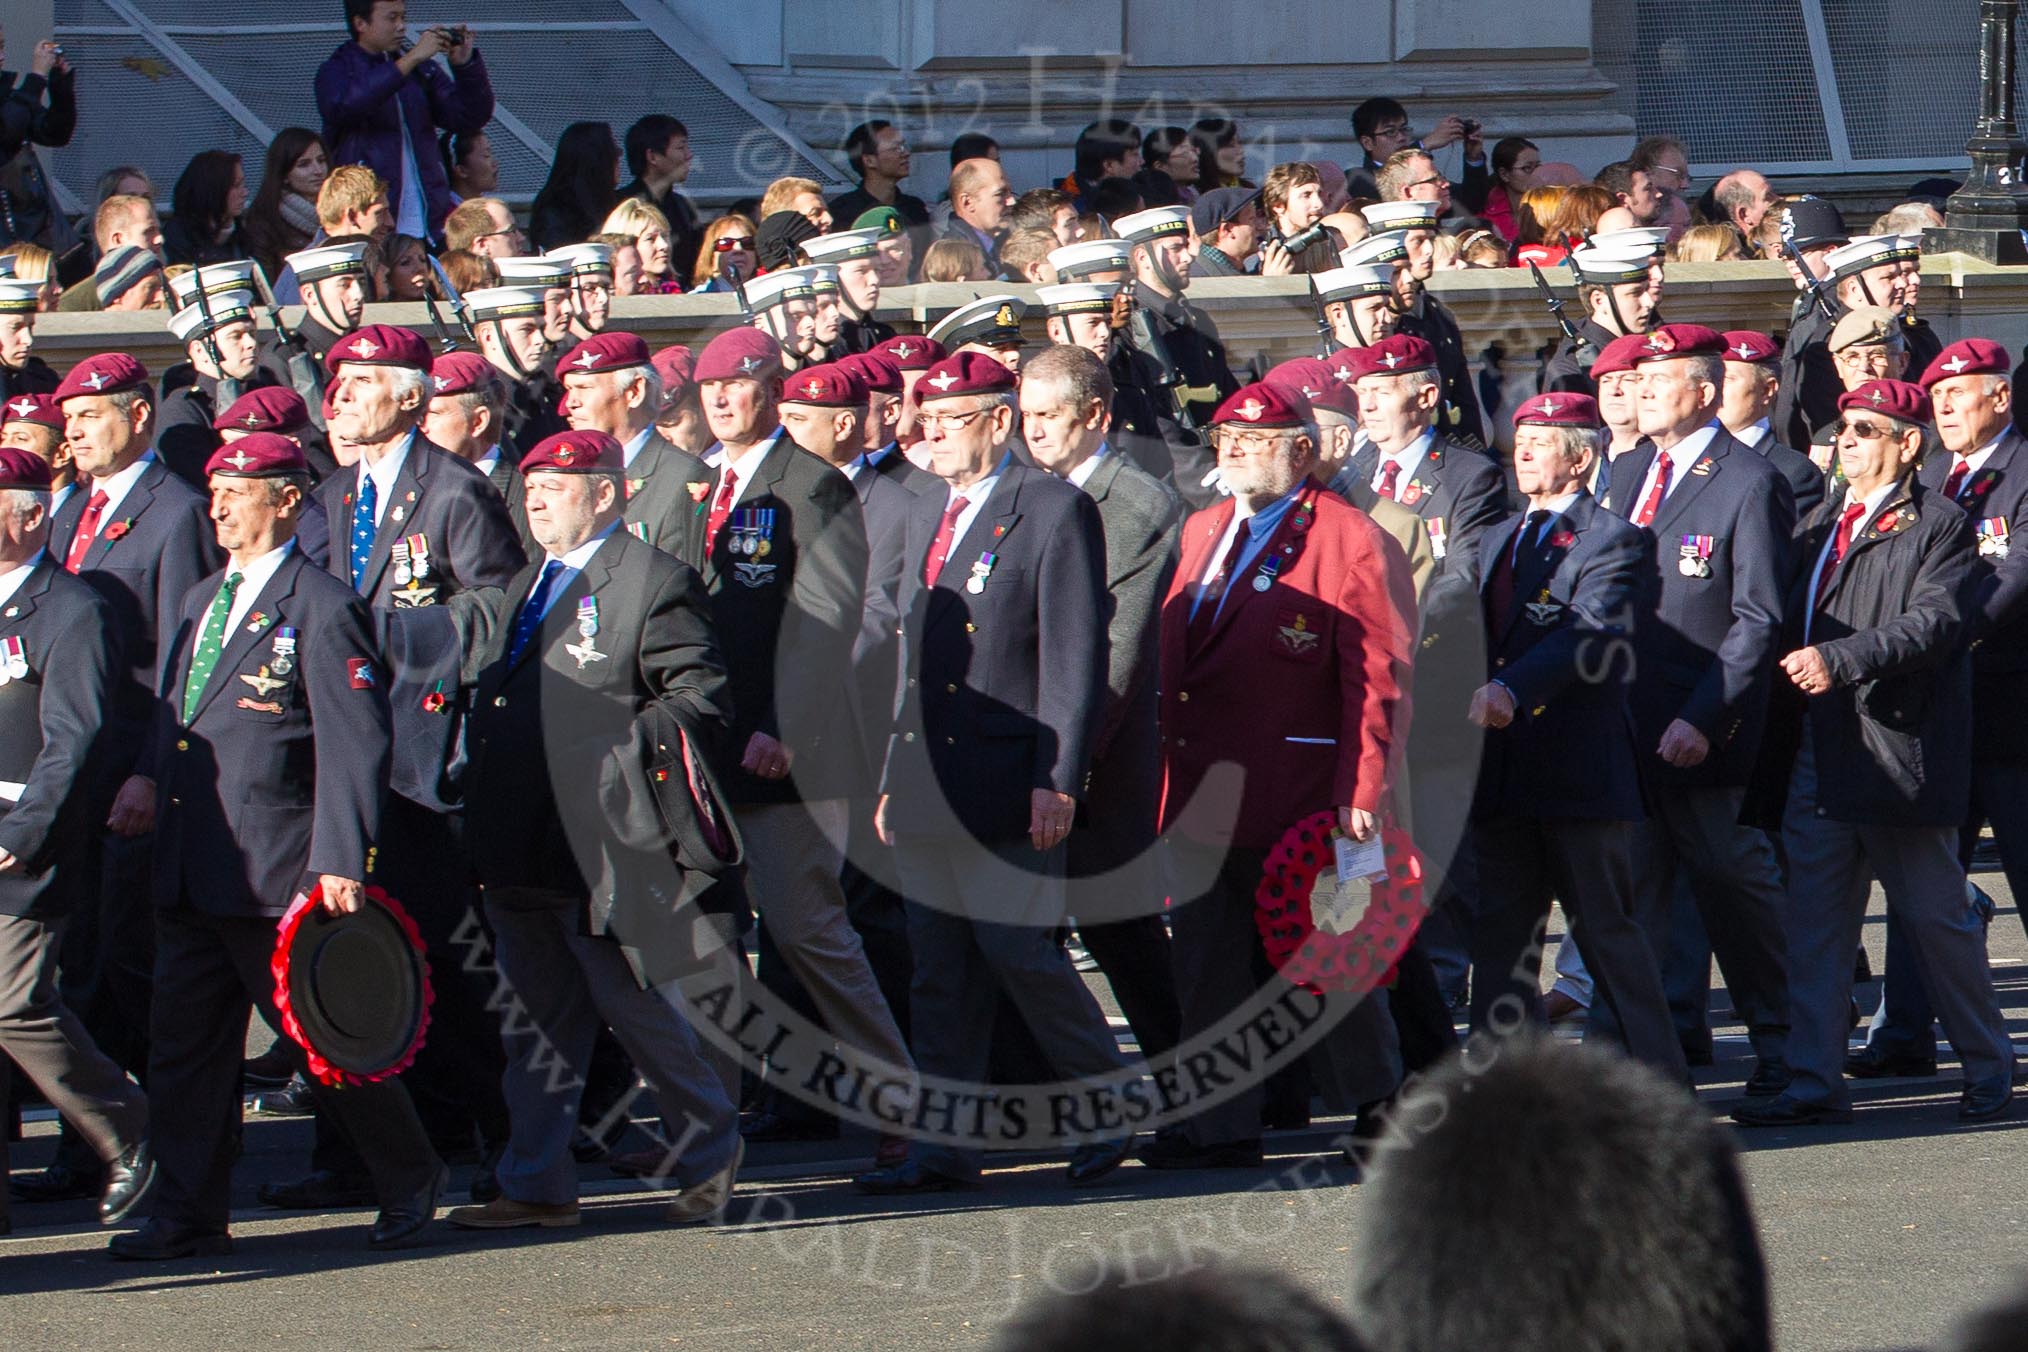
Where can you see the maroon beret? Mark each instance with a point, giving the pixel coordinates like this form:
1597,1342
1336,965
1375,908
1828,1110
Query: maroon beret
23,469
259,455
1680,340
831,385
272,408
608,351
1619,355
678,368
460,373
1889,398
1263,405
965,373
107,373
1746,345
380,345
1968,357
1396,355
880,373
579,452
1317,381
1560,410
739,354
41,409
912,351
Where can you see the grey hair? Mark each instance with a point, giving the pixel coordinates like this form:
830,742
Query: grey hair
1417,381
1082,376
124,400
627,375
1709,369
407,381
21,501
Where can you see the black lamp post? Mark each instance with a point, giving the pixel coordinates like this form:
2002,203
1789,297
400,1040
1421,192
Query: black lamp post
1986,216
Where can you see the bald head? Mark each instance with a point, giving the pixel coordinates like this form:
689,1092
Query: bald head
979,193
1745,197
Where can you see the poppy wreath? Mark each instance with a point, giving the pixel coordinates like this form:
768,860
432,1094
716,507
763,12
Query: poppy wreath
285,937
1365,956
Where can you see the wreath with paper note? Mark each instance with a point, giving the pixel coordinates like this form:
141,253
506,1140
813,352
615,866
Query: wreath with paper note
1335,917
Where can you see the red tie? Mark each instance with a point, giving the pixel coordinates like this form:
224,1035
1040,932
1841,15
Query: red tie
1653,502
721,508
1957,478
1209,599
940,547
87,529
1839,544
1390,470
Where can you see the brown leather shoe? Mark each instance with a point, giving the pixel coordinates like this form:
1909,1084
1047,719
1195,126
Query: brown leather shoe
706,1201
504,1213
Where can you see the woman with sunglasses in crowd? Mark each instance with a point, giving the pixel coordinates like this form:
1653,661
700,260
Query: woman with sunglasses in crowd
728,245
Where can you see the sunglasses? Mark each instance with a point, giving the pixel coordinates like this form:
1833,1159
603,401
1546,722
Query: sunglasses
727,243
1868,431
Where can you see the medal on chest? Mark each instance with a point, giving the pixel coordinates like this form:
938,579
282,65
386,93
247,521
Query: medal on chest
1694,555
587,651
1264,576
981,570
282,655
13,659
412,564
753,532
1993,538
1439,536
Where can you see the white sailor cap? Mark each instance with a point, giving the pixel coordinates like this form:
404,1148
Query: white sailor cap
503,302
19,298
328,260
1345,283
1080,260
1633,239
992,321
584,260
779,287
1611,267
1145,227
1865,252
1375,251
226,307
218,278
535,270
1078,298
842,246
1386,216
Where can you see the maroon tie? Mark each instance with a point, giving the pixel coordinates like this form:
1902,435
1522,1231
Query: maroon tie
1959,469
1839,544
1390,470
721,508
1500,587
87,529
1653,502
1208,600
940,546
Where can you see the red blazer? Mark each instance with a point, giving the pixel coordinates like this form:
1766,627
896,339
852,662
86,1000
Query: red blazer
1303,686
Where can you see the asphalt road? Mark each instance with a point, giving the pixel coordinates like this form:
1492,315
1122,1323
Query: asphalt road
1879,1234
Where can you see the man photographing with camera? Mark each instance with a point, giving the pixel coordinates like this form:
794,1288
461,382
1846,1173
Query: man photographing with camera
384,101
1293,195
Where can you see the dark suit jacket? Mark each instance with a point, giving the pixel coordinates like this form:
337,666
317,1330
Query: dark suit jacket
1190,340
896,465
662,507
1805,480
1564,649
1708,656
1808,397
50,720
885,504
161,543
1996,500
1893,735
787,620
270,784
1563,373
545,728
1142,518
1459,414
1001,691
183,434
513,491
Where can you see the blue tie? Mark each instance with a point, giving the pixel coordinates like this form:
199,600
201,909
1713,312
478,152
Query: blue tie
362,530
530,619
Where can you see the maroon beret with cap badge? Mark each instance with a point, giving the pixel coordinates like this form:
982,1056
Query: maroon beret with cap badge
258,455
1891,399
107,373
1263,405
41,409
1747,345
828,385
1968,357
739,354
1560,410
23,469
612,350
1396,355
380,345
577,452
964,373
272,408
1680,340
912,351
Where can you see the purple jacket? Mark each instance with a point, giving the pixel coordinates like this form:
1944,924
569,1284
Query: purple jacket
356,93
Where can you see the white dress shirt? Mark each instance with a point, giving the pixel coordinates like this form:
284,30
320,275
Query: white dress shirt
1410,461
117,486
1681,457
974,498
1871,502
384,474
11,580
253,577
1084,471
744,467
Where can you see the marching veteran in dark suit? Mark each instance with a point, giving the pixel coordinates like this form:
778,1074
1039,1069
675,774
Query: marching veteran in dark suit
1002,686
265,774
467,412
1752,384
1882,778
610,385
58,655
1066,416
1559,785
604,633
1717,518
139,537
1287,640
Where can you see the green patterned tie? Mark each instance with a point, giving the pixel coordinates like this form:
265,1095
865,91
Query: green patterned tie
209,645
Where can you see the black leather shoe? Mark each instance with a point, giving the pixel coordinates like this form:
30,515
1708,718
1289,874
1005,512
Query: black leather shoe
1175,1151
58,1183
1987,1099
128,1179
486,1183
1769,1078
1879,1063
910,1177
1784,1111
158,1240
397,1225
294,1099
766,1126
320,1191
272,1069
1091,1163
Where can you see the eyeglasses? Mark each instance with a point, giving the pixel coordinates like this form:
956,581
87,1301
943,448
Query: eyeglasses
727,243
947,422
1393,130
1429,182
1252,442
1867,431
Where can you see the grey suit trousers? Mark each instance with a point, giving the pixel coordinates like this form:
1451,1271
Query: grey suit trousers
52,1047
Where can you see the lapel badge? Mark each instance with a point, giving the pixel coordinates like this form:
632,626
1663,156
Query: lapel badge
1412,494
1704,466
262,683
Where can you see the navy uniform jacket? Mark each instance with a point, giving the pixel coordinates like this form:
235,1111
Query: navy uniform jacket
1996,500
1563,373
1002,691
1808,397
1144,417
34,376
885,505
281,775
1459,417
1142,519
662,507
1893,735
183,434
1563,649
1191,341
532,412
473,550
787,620
317,341
859,335
1708,655
546,728
162,544
50,716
